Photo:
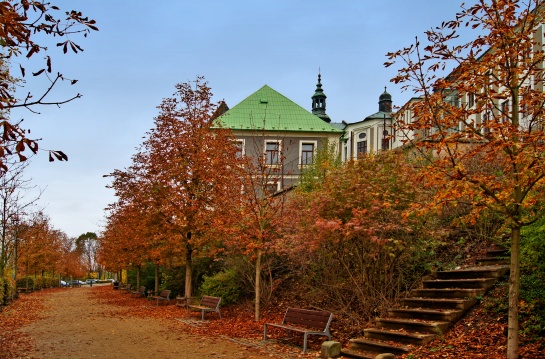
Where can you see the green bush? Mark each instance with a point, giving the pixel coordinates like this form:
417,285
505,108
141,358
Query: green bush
532,282
21,282
7,290
225,284
2,289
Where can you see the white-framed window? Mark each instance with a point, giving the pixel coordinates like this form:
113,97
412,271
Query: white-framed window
272,152
307,150
361,144
385,141
487,116
240,145
471,99
505,111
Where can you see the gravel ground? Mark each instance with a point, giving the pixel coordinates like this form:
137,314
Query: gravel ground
75,326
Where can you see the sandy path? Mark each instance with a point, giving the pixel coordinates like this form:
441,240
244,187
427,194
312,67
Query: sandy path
77,327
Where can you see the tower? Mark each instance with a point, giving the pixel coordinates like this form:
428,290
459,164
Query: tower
385,102
318,101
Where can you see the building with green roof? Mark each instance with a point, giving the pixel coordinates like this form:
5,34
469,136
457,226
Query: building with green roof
269,126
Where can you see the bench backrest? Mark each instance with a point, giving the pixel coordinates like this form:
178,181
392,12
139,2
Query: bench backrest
142,290
165,293
315,319
212,302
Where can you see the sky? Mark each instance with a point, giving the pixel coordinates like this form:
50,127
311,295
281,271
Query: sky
143,49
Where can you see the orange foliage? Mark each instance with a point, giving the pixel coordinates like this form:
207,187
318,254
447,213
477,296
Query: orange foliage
181,181
489,110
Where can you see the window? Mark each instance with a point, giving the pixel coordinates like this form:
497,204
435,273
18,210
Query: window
239,144
505,111
361,148
471,100
452,99
307,153
272,152
385,140
486,120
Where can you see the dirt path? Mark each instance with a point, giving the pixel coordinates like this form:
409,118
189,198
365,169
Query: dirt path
78,327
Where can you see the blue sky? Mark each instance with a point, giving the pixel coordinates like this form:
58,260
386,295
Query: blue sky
144,48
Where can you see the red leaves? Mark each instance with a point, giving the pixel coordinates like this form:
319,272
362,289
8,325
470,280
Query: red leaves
25,310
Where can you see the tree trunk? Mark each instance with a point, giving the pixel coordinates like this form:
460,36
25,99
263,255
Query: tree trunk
156,278
188,267
137,277
258,285
514,286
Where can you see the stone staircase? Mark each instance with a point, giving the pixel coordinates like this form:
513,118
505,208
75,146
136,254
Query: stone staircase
430,311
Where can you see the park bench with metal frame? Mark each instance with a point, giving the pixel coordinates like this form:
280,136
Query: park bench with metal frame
141,292
163,296
208,304
308,322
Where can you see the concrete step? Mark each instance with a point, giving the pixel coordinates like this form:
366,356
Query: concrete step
427,314
447,293
488,261
399,336
473,273
431,303
359,354
498,253
476,283
411,325
377,346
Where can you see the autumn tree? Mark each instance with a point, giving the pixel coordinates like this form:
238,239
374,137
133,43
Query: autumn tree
14,205
479,130
256,219
185,172
87,245
26,27
131,237
42,249
354,234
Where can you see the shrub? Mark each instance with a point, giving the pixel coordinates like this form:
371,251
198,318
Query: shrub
225,284
7,289
532,282
22,282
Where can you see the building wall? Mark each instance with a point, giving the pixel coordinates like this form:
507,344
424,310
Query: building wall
294,151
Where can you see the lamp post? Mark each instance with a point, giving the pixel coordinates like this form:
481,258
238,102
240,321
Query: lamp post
15,247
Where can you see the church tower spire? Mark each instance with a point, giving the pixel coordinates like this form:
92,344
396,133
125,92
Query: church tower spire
318,101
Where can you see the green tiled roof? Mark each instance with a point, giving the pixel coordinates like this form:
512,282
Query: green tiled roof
379,116
268,110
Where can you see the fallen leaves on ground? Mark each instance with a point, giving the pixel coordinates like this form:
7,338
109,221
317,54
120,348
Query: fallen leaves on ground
23,311
237,322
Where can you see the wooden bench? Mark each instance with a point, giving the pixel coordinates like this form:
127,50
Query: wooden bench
127,288
208,304
164,295
141,292
308,322
185,301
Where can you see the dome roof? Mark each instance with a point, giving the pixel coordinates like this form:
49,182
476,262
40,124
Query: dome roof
385,96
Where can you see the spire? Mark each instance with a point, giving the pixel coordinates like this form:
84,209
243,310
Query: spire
318,101
385,102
